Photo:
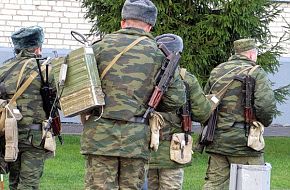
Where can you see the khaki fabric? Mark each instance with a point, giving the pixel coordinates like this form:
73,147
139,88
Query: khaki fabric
11,137
102,173
179,151
156,123
255,138
49,142
165,179
218,171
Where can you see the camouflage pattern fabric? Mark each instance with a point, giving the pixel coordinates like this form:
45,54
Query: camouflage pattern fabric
27,170
230,137
218,171
129,83
165,179
102,173
127,86
200,108
115,138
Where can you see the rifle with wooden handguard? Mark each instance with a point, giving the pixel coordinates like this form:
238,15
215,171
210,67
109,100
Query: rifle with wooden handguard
49,98
186,114
248,91
164,76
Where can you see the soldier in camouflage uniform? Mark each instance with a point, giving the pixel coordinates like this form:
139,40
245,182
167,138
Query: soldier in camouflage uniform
116,147
165,174
27,170
230,137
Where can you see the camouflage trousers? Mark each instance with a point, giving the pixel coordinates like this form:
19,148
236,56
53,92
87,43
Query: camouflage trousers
218,171
27,170
114,173
165,179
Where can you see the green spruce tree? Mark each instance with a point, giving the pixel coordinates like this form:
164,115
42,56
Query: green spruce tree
208,28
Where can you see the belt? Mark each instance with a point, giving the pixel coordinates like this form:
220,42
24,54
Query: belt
138,120
35,127
133,120
240,125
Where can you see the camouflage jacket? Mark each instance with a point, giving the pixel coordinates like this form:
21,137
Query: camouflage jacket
230,135
30,102
200,108
127,86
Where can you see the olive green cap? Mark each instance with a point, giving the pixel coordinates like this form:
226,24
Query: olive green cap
244,45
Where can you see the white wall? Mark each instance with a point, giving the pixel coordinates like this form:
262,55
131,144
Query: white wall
277,27
57,17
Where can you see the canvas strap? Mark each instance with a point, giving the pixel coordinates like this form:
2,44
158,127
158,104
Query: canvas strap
253,69
182,73
22,71
25,85
221,93
120,54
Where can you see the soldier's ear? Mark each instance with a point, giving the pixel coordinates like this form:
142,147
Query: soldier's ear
37,51
123,23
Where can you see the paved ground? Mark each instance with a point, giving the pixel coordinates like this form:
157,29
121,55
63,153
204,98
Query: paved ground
275,130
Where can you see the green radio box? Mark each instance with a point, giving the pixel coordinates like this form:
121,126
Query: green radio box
79,86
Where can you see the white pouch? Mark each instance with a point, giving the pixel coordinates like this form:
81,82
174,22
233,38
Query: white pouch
49,139
179,151
255,138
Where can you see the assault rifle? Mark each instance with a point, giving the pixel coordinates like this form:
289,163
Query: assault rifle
249,87
164,76
248,91
186,114
49,99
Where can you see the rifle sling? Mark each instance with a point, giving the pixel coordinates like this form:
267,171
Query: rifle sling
120,54
221,93
24,86
22,71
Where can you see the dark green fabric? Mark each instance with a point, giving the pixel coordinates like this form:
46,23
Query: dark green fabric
230,137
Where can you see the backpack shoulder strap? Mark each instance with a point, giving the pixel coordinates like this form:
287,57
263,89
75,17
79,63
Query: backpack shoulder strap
120,54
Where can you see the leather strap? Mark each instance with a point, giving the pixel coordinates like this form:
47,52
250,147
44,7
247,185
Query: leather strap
120,54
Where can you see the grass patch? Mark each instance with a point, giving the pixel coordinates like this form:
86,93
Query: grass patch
66,170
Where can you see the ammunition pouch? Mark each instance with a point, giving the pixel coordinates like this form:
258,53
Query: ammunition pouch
48,138
11,136
181,152
255,137
156,122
